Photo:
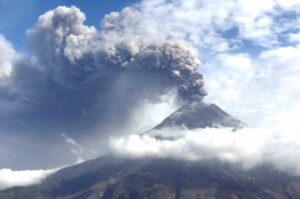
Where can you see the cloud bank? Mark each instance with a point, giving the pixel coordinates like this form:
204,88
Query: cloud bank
10,178
247,147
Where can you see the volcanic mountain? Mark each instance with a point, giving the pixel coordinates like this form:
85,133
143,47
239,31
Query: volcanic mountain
164,178
200,115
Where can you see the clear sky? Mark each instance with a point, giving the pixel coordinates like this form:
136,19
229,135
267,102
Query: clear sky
18,15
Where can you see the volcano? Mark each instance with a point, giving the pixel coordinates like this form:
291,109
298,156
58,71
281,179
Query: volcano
200,115
164,178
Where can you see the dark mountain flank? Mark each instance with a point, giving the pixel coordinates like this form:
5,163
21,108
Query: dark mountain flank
114,178
155,178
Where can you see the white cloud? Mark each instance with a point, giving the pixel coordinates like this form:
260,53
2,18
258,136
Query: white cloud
149,115
294,37
10,178
247,147
7,55
201,22
239,62
289,4
267,86
75,148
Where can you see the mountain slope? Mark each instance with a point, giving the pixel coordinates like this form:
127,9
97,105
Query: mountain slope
114,178
154,178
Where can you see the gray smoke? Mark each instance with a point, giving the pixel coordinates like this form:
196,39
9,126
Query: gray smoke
176,62
89,83
74,52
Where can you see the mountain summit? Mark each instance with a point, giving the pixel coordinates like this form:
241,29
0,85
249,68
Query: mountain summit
200,115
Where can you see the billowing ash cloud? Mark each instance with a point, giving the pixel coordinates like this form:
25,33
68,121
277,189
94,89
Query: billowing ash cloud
178,63
74,52
90,83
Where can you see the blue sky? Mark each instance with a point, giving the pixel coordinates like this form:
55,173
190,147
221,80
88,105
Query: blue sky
18,15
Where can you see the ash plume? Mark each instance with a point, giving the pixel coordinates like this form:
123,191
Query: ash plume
75,52
178,63
91,83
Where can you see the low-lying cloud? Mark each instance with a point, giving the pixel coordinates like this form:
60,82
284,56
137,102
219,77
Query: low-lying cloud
248,147
10,178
